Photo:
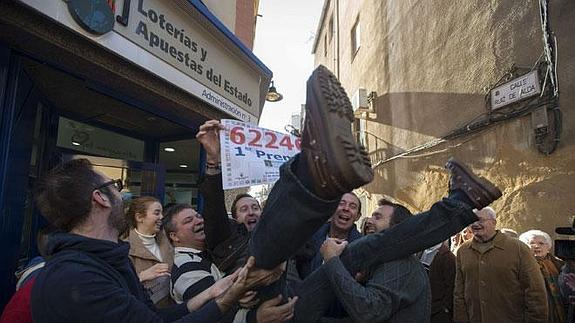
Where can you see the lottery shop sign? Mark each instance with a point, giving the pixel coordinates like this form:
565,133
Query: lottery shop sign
252,155
174,41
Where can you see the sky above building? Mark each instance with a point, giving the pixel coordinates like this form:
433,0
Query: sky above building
284,40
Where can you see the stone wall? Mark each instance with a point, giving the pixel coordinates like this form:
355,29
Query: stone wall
431,64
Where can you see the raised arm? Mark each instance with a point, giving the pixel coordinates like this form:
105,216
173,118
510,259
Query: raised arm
216,222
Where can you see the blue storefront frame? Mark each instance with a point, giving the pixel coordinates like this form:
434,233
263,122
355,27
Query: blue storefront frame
15,152
16,147
13,179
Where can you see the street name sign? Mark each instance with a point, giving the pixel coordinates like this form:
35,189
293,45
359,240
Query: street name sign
515,90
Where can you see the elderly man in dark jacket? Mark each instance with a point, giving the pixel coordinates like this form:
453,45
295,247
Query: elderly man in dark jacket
440,263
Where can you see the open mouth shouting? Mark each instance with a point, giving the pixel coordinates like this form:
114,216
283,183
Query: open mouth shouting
251,223
369,228
199,228
343,219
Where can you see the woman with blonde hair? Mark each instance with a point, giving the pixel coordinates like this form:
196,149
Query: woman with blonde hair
150,250
540,243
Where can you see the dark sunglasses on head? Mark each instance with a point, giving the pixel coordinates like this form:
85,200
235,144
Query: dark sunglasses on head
116,182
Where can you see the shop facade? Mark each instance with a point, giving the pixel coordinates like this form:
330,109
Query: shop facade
123,83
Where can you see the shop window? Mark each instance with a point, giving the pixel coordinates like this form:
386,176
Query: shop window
27,244
355,128
362,134
88,139
181,160
355,38
359,130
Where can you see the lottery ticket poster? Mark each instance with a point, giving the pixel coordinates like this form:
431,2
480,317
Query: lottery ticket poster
252,155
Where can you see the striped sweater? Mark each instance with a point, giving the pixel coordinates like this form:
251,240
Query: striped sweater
192,273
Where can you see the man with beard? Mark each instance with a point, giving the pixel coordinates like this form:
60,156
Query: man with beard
497,278
194,273
88,276
394,291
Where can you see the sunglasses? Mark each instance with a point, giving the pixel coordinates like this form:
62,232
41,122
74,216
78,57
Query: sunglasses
116,182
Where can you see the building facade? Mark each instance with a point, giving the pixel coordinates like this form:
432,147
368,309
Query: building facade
239,16
123,83
433,79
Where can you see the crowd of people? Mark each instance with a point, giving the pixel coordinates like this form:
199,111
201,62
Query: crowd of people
300,259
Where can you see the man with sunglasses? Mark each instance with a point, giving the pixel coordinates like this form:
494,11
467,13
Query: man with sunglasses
89,277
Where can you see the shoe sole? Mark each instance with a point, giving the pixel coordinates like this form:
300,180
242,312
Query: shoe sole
493,193
329,107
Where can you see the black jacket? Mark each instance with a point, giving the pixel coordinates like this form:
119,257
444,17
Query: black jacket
308,258
92,280
226,240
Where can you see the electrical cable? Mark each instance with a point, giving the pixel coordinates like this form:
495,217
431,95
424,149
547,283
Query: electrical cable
548,97
550,49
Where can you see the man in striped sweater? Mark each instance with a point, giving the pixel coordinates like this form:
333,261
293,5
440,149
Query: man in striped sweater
193,271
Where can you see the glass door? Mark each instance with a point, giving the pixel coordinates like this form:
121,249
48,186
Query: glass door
181,159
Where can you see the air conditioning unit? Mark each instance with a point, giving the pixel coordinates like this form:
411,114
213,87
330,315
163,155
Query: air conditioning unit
359,100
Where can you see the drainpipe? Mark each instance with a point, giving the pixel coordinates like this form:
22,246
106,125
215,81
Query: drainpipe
337,39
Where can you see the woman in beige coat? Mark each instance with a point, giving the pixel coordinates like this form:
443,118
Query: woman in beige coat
150,250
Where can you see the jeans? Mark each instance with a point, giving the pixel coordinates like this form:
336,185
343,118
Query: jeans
226,240
293,214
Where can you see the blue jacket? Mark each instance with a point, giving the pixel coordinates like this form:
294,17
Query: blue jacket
92,280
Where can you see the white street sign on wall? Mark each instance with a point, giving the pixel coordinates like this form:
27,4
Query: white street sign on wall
517,89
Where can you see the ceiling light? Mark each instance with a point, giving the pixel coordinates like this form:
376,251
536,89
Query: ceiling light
75,143
183,166
169,149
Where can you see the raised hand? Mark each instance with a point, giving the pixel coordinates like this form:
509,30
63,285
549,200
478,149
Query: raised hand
209,137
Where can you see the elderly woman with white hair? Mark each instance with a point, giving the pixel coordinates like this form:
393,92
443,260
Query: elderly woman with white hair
540,243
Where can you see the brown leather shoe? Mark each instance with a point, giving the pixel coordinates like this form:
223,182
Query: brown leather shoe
337,163
478,189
